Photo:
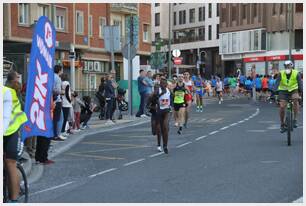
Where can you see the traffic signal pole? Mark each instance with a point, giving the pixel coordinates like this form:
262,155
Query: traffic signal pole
169,43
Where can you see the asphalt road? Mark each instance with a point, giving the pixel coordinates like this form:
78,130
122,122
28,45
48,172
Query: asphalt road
230,153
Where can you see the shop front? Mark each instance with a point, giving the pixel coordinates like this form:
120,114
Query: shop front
259,62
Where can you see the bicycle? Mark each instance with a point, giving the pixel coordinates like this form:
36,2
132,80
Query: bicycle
23,185
289,121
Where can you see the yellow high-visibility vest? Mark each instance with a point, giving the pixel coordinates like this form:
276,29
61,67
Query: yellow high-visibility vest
288,84
18,117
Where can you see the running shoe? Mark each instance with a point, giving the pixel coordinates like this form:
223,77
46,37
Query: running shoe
179,131
185,125
283,128
159,149
165,150
176,124
295,123
219,102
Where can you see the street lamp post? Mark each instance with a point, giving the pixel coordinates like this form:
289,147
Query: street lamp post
290,28
169,43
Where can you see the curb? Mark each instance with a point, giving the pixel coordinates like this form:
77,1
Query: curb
58,148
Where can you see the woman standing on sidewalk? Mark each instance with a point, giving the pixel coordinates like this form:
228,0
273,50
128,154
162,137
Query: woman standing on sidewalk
66,101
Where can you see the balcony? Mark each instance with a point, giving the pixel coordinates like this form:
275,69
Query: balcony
129,8
187,39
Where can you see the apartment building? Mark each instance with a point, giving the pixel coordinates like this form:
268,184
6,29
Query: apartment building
194,30
259,34
78,24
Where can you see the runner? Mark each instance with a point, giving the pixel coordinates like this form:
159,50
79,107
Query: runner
188,97
179,103
199,90
219,89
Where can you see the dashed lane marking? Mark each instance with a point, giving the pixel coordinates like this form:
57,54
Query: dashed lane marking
223,128
256,130
97,157
157,154
202,137
182,145
233,124
134,162
52,188
103,172
241,121
214,132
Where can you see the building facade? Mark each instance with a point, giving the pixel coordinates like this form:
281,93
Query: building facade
194,31
260,34
78,24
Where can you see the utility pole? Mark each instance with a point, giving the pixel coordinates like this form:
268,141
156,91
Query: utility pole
130,66
169,43
290,21
72,67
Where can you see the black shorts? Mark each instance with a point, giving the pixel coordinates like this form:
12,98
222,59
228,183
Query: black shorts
218,92
284,95
178,106
10,146
241,85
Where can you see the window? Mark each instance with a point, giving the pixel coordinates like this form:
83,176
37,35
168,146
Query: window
156,5
274,9
244,11
43,10
79,22
209,32
157,36
102,23
217,31
182,17
298,7
256,37
202,33
217,8
60,19
97,66
157,19
281,9
234,13
90,25
254,10
191,15
224,14
146,30
298,33
234,43
117,23
92,82
209,10
174,18
24,13
202,14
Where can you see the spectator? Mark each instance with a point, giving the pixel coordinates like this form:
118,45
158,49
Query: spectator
76,104
66,101
86,112
144,89
110,98
101,98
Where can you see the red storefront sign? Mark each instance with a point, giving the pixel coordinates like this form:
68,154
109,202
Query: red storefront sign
276,58
297,56
254,59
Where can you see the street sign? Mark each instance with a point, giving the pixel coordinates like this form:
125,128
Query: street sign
178,60
125,51
132,20
176,53
157,60
111,36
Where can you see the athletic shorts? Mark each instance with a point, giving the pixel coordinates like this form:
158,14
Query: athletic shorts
188,97
241,85
284,95
178,106
219,92
200,92
10,146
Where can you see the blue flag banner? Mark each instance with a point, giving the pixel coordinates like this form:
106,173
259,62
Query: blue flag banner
40,81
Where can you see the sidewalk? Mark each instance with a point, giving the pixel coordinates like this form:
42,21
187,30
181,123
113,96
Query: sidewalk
34,171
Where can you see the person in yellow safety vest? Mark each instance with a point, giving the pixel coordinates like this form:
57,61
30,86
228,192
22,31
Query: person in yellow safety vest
289,85
13,118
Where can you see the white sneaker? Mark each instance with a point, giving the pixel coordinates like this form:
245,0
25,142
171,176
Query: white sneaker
109,122
65,134
62,137
176,124
143,115
77,130
219,102
221,99
159,149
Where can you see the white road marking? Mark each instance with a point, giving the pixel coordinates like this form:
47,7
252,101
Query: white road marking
134,162
269,162
101,173
157,154
214,132
202,137
233,124
52,188
256,130
182,145
241,121
246,119
223,128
